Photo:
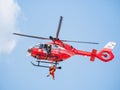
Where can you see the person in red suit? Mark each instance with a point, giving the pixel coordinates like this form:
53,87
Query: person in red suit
52,70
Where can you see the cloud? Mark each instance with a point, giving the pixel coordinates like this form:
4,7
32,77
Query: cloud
9,11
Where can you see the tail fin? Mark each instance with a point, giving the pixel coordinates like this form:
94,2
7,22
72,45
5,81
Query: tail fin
110,45
106,53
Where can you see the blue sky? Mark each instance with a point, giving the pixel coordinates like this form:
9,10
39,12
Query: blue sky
85,20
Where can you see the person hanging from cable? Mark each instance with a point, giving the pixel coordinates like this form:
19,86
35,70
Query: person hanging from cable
52,70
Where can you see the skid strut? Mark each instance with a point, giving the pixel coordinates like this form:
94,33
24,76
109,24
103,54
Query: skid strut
38,64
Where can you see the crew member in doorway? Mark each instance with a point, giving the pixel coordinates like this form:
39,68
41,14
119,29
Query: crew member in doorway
48,50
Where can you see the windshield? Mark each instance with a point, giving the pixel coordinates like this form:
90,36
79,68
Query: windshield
39,46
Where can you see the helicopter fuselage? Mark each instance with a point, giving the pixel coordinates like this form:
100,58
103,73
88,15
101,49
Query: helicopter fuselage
58,51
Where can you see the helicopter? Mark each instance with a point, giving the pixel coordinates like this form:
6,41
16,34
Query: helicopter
58,51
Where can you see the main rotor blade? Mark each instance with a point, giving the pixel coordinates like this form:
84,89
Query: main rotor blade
80,42
59,26
31,36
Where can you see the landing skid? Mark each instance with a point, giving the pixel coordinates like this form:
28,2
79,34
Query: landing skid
56,63
38,65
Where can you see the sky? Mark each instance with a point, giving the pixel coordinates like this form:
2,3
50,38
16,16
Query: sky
84,20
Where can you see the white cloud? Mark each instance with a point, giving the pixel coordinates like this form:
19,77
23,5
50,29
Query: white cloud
9,11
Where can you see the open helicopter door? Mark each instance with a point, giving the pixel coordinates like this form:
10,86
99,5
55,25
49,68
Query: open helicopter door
105,54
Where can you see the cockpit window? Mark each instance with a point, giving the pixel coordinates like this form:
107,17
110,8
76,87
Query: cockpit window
36,46
41,45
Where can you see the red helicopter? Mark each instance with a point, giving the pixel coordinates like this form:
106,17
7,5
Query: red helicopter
58,51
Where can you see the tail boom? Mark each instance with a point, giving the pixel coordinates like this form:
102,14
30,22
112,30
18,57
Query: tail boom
104,55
